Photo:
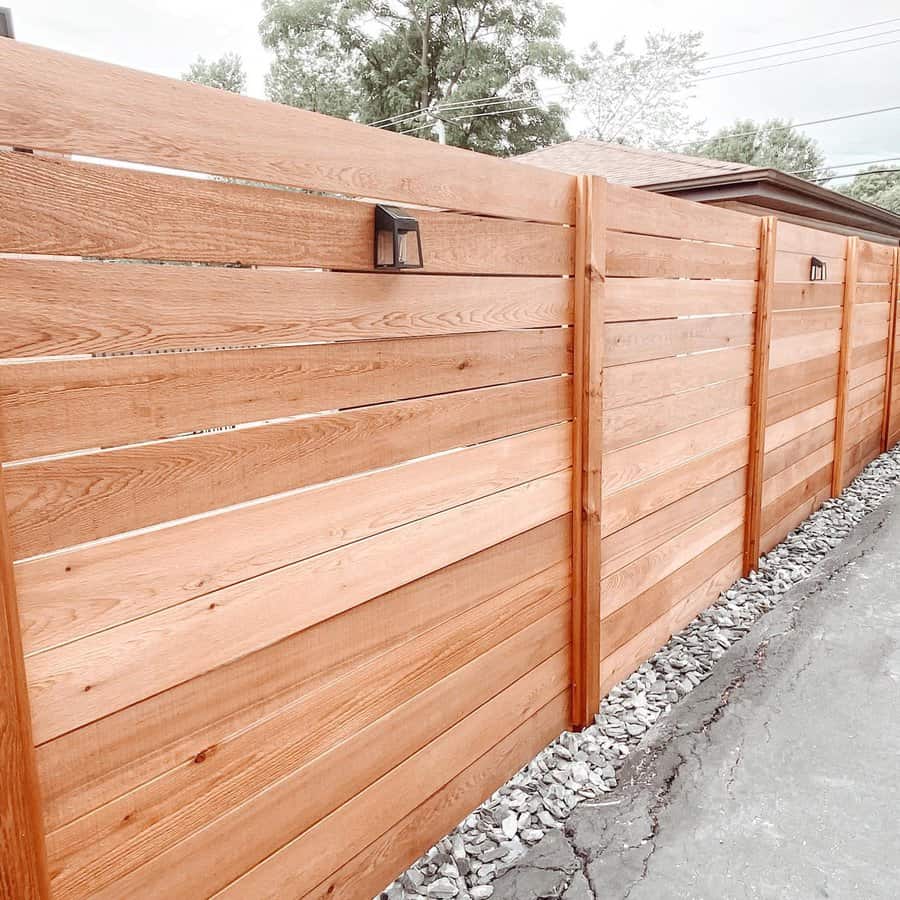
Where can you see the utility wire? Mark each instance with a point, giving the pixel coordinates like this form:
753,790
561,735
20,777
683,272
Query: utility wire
858,175
856,115
739,62
811,37
870,162
794,62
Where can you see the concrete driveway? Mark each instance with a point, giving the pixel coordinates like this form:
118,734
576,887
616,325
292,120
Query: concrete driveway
778,776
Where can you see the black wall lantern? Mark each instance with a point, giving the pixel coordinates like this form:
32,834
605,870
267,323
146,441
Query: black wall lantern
818,271
398,244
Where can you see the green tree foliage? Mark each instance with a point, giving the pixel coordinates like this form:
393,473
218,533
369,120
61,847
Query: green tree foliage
371,60
770,144
881,188
225,73
640,98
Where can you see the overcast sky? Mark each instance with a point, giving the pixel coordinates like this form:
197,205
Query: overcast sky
164,36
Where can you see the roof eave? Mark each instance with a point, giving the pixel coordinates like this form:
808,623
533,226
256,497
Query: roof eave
787,192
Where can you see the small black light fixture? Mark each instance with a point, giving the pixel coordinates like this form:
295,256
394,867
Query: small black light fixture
398,244
818,271
6,25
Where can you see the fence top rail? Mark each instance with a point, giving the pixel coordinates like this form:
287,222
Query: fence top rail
56,102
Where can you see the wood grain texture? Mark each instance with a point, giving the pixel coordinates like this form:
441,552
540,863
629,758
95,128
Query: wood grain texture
54,101
623,586
628,621
642,461
783,406
803,347
810,241
54,308
873,293
337,838
71,500
643,212
370,870
23,860
650,531
196,824
759,391
79,682
439,613
587,454
790,322
623,661
72,594
635,255
779,532
64,208
629,342
645,497
800,295
781,433
797,448
811,485
652,379
55,407
845,364
630,299
629,425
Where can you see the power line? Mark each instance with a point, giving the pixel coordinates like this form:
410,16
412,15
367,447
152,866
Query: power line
870,162
803,49
794,62
856,115
811,37
859,175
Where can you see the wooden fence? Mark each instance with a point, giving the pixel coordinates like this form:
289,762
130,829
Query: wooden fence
300,561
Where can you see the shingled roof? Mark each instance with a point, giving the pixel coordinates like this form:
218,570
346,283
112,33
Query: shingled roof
626,165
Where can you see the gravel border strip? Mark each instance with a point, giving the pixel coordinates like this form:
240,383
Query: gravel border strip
581,766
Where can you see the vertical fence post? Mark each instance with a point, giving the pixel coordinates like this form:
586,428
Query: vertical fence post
762,339
590,277
23,861
840,424
892,340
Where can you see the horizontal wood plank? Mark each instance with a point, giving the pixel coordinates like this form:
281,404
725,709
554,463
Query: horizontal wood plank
55,308
810,241
808,295
73,594
75,499
64,208
643,212
55,407
623,586
790,322
630,299
799,447
79,682
803,347
336,839
54,101
645,534
788,404
628,621
628,425
629,342
800,374
189,816
634,464
91,766
633,255
651,379
367,872
645,497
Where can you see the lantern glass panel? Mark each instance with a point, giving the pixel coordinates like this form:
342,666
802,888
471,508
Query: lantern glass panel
384,248
408,250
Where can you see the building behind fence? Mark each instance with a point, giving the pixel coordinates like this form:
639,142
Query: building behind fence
285,658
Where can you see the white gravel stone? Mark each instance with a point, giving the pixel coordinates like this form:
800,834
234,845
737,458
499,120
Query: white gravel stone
580,766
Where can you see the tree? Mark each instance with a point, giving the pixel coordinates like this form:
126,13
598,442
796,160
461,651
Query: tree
771,144
425,65
225,73
640,98
880,186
